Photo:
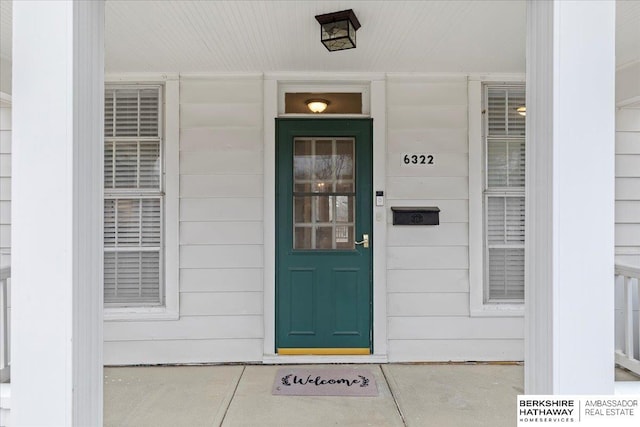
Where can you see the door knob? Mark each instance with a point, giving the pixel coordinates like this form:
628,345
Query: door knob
364,242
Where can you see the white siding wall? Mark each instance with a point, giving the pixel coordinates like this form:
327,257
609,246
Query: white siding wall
221,234
5,184
5,206
5,217
627,205
428,266
628,186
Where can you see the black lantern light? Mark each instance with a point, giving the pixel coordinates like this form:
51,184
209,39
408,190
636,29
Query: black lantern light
338,29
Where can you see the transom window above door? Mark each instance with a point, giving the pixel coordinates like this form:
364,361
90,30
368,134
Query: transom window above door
344,99
324,193
336,102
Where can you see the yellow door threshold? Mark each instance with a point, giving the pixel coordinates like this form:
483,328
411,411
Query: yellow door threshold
323,351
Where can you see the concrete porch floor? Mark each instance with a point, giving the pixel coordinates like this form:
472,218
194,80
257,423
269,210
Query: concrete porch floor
421,395
240,395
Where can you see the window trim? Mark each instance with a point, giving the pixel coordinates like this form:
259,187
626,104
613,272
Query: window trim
477,305
170,149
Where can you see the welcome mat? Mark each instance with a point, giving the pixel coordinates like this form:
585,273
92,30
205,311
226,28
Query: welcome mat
324,382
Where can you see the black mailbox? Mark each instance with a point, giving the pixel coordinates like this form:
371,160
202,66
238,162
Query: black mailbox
416,216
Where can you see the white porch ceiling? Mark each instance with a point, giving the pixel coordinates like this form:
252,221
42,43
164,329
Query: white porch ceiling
250,36
284,36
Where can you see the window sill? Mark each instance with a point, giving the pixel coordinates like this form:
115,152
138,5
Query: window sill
498,310
139,314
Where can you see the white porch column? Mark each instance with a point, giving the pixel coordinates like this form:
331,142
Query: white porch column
58,78
569,338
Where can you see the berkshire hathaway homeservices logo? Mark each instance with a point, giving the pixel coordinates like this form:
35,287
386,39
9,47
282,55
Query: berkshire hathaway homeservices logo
582,410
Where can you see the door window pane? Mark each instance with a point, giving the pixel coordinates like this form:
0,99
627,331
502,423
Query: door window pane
302,209
302,238
344,211
302,160
324,237
345,187
323,159
324,193
344,159
322,187
324,209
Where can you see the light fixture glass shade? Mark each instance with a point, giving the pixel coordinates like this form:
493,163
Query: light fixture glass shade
338,35
317,105
522,110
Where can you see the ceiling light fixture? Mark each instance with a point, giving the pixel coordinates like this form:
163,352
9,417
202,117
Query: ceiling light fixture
338,29
522,110
317,105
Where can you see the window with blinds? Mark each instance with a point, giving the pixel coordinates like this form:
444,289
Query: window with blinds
504,193
133,196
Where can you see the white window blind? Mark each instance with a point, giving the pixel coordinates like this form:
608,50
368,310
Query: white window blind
133,203
504,193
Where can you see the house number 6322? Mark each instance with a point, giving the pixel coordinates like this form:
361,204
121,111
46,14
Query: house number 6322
417,159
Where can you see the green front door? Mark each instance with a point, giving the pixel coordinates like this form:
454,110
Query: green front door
323,217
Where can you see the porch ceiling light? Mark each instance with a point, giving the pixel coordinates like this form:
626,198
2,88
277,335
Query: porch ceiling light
338,29
317,105
522,110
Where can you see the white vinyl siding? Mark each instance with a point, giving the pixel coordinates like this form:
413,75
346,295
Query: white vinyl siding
504,189
133,204
218,229
428,279
5,184
628,184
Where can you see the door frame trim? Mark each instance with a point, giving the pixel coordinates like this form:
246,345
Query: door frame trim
377,96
